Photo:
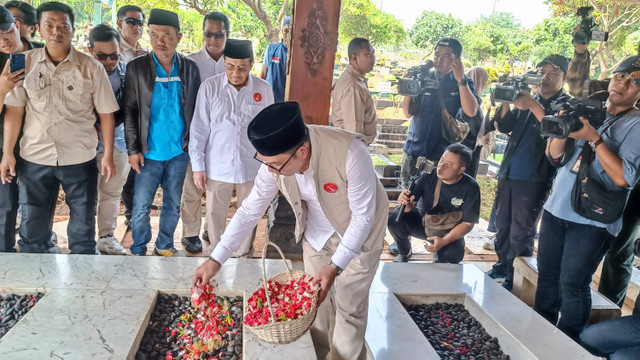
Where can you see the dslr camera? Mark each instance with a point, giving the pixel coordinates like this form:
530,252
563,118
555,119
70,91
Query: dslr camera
510,89
586,32
591,108
420,80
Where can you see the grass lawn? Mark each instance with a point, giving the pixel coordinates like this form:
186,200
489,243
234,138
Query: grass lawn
496,157
487,194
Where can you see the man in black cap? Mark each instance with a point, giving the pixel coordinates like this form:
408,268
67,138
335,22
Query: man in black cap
221,155
571,245
341,212
159,98
525,174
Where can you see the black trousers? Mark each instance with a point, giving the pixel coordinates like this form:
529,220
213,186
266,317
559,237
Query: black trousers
518,206
127,194
618,263
411,225
8,214
39,185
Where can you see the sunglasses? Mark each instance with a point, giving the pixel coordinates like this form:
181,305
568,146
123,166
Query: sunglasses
113,56
134,22
217,35
283,165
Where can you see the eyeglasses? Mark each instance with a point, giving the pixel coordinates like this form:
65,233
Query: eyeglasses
283,165
134,22
114,56
217,35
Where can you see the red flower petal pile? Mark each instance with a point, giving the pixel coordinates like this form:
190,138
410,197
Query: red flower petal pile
289,301
199,331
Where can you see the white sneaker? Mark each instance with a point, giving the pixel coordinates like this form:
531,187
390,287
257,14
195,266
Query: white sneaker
490,244
110,245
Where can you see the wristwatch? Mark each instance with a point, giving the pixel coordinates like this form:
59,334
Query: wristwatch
462,82
594,144
337,268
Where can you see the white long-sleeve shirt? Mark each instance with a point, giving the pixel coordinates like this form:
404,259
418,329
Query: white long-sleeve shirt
207,66
218,142
361,191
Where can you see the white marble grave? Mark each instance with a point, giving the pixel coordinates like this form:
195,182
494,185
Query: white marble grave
96,307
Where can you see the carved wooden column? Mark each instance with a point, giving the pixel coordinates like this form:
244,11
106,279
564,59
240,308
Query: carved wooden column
310,62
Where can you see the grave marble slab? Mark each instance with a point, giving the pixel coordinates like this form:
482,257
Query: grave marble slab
535,333
95,306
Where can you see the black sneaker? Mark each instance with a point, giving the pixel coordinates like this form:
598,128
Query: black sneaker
402,258
393,249
496,274
205,235
192,244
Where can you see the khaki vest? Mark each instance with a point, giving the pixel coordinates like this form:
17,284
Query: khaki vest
329,147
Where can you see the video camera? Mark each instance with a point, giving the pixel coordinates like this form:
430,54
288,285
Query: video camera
511,88
419,82
423,165
591,108
586,32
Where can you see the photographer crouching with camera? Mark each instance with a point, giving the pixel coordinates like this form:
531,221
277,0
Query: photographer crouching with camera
584,210
448,204
525,174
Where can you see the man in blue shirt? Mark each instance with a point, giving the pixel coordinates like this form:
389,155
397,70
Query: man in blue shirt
274,66
425,132
525,174
160,93
571,246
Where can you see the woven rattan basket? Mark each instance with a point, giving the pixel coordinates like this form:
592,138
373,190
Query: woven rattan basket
290,330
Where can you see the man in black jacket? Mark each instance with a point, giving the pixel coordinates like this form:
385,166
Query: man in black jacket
525,173
159,98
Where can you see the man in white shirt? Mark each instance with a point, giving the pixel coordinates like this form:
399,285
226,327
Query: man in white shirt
341,212
210,60
221,155
130,23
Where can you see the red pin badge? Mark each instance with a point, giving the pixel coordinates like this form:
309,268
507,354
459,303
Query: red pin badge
330,188
257,97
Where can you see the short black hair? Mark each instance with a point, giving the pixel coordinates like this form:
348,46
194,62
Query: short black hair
355,46
55,6
29,16
217,16
125,9
462,151
103,33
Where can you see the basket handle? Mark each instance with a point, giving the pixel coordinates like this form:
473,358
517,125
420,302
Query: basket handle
264,274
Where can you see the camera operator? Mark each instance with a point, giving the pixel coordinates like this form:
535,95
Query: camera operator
458,200
525,174
425,132
578,80
572,243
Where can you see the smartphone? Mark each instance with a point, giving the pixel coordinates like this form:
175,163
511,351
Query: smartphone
17,62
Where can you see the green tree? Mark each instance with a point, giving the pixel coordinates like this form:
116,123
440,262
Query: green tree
551,36
619,18
497,37
431,27
361,18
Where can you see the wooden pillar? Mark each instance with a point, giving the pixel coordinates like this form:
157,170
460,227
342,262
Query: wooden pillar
314,41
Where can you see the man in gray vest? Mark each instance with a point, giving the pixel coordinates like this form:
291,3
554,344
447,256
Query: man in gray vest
317,168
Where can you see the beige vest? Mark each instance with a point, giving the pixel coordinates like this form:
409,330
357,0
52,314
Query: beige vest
329,147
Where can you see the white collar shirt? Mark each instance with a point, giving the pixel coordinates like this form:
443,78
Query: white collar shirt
218,142
207,65
128,52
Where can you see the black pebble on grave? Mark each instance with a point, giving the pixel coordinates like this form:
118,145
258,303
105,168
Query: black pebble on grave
454,333
156,344
13,307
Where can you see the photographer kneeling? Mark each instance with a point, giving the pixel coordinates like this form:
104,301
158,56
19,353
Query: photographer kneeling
582,217
448,206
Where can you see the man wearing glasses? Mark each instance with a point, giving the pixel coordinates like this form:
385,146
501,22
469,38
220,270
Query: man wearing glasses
341,212
221,155
525,174
130,24
104,46
210,60
60,91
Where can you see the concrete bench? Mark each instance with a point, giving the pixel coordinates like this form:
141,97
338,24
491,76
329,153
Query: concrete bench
525,283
